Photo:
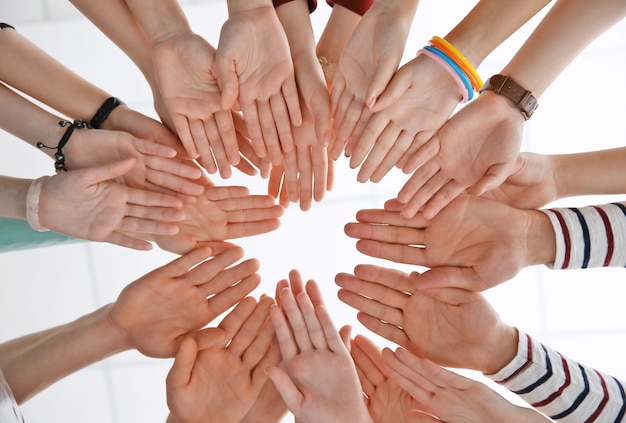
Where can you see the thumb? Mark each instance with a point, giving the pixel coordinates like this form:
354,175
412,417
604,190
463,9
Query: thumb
95,175
228,81
418,416
345,333
494,177
376,87
180,373
382,93
289,393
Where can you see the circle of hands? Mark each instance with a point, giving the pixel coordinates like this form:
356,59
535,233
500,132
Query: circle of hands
267,109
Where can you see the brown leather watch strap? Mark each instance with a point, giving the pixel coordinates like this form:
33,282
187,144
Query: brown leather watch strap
523,99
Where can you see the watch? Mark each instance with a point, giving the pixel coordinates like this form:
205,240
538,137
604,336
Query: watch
523,99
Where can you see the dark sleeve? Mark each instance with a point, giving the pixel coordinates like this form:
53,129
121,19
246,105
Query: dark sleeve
312,4
5,25
357,6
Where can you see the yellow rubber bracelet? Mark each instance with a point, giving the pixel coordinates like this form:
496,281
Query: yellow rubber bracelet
459,59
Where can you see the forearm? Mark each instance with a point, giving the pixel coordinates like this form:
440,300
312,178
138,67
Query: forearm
559,387
33,363
337,32
489,24
235,6
160,19
590,173
115,19
32,71
565,31
28,121
294,17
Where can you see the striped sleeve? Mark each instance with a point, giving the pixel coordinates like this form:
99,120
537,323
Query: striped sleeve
593,236
562,389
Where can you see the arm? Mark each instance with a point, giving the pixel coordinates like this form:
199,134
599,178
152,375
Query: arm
549,49
570,392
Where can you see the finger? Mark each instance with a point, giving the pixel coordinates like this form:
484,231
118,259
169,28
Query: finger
146,226
305,177
173,183
209,269
334,341
372,131
95,175
384,329
281,120
201,140
285,387
392,158
284,335
391,278
251,116
290,94
181,124
151,148
296,320
342,107
396,88
371,307
232,323
230,277
227,80
270,136
249,330
217,149
339,86
246,229
180,373
442,198
275,181
424,154
224,300
424,194
296,284
127,241
377,85
417,180
320,171
371,375
290,163
181,265
381,293
228,135
262,342
397,253
142,197
226,192
313,326
320,107
352,116
182,168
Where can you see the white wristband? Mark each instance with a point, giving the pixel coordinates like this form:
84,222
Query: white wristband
32,203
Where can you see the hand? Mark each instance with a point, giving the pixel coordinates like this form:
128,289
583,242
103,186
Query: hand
417,101
306,172
87,204
473,243
386,401
158,310
255,68
186,74
222,213
450,396
433,323
155,167
476,149
316,377
368,62
221,381
531,185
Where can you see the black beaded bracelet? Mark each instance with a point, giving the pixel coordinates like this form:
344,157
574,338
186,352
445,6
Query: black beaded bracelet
59,164
104,111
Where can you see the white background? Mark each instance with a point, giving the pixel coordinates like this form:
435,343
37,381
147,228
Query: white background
580,313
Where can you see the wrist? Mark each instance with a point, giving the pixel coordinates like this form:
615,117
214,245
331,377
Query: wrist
118,336
540,239
502,351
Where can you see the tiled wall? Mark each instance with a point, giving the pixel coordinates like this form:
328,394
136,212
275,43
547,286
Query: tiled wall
580,313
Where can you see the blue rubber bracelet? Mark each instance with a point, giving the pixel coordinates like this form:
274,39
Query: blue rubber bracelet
457,69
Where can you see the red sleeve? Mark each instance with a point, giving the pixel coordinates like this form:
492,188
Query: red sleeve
312,4
357,6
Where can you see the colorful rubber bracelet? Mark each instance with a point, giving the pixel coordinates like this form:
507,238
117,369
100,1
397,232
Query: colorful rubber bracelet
457,69
32,203
459,59
448,69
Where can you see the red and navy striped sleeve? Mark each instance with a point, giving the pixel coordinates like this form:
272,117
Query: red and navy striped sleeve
593,236
561,388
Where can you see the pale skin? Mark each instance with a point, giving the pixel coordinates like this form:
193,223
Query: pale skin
386,400
491,147
259,76
316,377
172,301
370,59
421,95
223,380
431,323
450,396
222,213
473,243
